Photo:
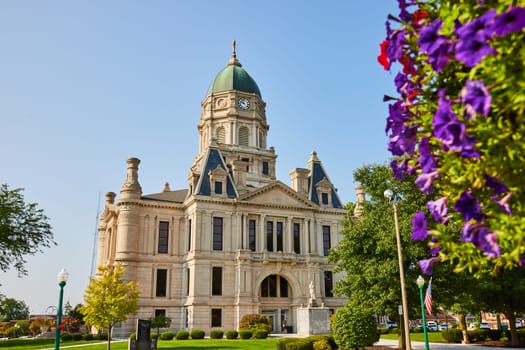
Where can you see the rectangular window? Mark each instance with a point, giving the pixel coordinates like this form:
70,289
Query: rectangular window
216,283
272,279
326,240
162,276
297,238
187,281
283,286
328,284
164,227
218,187
252,237
269,236
265,168
189,234
216,317
217,233
324,198
279,236
160,312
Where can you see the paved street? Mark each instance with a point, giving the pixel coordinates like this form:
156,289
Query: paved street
439,346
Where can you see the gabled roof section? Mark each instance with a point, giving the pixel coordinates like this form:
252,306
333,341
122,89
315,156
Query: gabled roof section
168,196
318,176
211,161
278,194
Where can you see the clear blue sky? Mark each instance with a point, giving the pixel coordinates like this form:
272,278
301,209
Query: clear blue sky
84,85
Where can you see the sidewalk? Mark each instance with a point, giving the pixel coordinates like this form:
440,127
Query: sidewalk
439,346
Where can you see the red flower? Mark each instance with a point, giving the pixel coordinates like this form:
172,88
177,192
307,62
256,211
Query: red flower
419,15
383,57
408,64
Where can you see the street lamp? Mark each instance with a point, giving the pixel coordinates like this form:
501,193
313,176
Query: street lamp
420,283
62,279
393,200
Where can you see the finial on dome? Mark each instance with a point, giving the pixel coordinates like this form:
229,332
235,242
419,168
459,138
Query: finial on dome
234,61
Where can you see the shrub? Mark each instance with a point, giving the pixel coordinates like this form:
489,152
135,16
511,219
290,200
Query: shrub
101,336
133,336
452,335
298,344
245,334
154,336
354,327
321,344
382,330
326,338
77,336
495,334
281,343
197,334
66,336
167,335
260,334
477,335
216,334
232,334
89,336
255,321
183,335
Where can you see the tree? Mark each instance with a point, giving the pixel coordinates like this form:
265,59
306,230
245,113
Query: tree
354,327
12,310
24,230
160,321
458,124
109,299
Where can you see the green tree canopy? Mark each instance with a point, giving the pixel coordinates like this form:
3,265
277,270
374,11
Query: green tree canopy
160,321
24,230
12,310
109,299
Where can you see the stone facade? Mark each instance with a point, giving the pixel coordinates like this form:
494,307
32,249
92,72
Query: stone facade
237,240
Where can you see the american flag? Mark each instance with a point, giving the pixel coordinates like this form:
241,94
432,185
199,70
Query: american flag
428,298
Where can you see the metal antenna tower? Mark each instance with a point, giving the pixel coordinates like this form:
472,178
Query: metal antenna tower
95,239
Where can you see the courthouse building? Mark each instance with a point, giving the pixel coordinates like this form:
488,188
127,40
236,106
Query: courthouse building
236,240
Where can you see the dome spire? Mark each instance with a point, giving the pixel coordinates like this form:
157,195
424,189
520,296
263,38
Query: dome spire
234,61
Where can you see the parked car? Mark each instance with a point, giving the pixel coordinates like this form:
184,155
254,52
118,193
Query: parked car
432,326
391,324
518,324
484,325
444,326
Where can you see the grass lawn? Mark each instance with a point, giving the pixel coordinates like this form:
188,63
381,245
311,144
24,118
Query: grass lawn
433,337
212,344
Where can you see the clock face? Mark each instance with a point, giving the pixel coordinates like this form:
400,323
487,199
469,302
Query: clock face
243,103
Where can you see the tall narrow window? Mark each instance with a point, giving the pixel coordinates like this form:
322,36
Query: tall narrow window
243,136
297,238
326,240
217,233
252,237
218,187
274,286
279,230
283,287
187,281
216,317
265,168
328,284
221,134
269,236
216,284
189,234
162,247
162,275
324,198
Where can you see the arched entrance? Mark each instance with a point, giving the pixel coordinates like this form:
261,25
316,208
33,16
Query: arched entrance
275,296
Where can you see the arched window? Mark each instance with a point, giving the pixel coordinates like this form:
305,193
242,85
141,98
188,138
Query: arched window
243,136
274,286
221,134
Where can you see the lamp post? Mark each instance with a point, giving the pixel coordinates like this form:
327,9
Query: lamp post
393,200
420,283
62,279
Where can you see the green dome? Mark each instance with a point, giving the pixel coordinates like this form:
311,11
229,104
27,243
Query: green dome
233,77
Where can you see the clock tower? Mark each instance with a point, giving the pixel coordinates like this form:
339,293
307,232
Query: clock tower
233,120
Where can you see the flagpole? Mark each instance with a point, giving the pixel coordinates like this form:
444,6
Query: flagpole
420,283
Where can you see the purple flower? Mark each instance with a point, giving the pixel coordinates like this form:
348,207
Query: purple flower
471,51
469,206
476,98
482,238
403,13
443,116
438,208
503,203
426,265
403,142
429,37
419,226
497,186
482,27
434,250
397,116
511,21
428,164
399,169
396,40
426,181
439,58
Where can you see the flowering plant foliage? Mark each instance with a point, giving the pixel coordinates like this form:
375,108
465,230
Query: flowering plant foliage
458,124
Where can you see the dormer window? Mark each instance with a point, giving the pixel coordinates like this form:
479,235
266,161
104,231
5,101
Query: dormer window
218,187
218,178
324,192
324,198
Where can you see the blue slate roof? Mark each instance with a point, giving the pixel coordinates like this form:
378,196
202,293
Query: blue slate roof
317,174
213,159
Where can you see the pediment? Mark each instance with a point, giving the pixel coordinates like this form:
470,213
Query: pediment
277,194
